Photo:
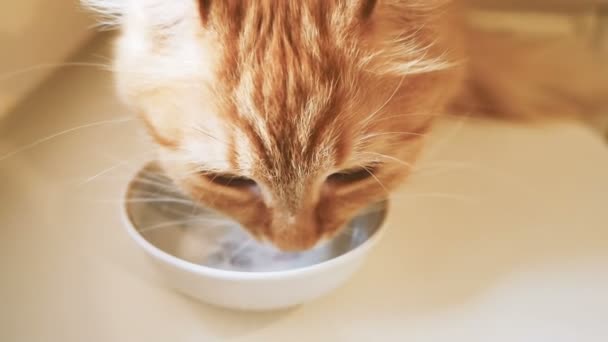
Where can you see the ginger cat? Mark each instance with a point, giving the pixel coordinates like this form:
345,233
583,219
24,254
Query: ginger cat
291,116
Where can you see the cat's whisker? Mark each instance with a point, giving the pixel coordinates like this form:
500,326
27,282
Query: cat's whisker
123,163
205,170
374,177
407,35
371,116
146,200
140,180
111,168
33,68
378,134
103,172
402,162
166,185
159,175
179,211
48,66
64,132
429,115
207,134
179,223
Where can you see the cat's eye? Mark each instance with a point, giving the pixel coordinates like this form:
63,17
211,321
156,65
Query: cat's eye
351,175
230,180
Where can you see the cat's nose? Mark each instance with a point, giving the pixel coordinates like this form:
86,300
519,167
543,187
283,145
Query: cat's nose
295,232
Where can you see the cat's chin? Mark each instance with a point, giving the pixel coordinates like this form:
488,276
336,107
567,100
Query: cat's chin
293,240
298,240
300,245
303,245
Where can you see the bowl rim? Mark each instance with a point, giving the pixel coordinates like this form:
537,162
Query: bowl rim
211,272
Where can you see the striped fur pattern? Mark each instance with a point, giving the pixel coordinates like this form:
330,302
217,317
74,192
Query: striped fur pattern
289,116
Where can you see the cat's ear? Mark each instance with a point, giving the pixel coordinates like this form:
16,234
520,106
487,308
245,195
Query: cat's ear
204,8
365,8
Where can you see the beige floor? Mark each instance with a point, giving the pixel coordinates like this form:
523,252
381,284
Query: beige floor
502,236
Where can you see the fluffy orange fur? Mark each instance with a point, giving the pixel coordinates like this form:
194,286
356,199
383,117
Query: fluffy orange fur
292,116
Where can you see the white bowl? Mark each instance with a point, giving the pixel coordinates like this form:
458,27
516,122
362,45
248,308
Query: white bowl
195,258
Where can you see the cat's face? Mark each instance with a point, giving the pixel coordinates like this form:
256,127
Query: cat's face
288,116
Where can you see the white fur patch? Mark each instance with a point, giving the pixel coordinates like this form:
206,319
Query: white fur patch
154,12
110,12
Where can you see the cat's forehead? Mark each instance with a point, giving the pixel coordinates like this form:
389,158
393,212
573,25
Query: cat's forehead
284,81
284,76
285,134
285,98
280,59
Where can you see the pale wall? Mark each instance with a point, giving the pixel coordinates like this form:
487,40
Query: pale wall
33,35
